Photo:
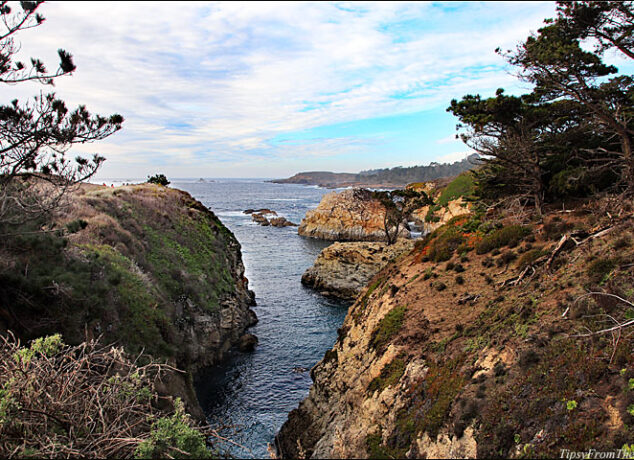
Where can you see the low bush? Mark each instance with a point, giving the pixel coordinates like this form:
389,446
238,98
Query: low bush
444,244
600,268
390,374
529,257
505,236
388,327
86,401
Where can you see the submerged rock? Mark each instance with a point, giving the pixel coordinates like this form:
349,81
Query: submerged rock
259,216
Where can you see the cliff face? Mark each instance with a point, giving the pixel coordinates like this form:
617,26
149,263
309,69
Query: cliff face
343,269
145,266
466,347
351,215
449,198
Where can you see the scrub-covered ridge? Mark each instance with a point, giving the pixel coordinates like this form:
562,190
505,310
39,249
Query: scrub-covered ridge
146,267
486,340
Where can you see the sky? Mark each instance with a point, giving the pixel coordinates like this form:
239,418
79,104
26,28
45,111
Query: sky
238,89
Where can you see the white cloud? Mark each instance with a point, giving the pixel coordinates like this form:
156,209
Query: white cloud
224,79
455,156
448,140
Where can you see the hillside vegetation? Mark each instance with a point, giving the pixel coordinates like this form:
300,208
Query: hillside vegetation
485,341
146,267
397,176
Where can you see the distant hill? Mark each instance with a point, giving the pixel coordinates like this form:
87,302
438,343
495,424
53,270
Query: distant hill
318,178
397,176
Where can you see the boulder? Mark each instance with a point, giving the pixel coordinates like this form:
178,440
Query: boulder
281,222
247,342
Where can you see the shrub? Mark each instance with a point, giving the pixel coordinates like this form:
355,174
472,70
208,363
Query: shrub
600,268
174,437
444,242
528,358
76,225
529,257
389,326
159,179
506,236
487,262
459,280
508,257
86,401
390,374
440,286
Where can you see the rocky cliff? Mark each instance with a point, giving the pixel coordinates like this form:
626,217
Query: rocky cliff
484,341
429,218
451,198
145,266
351,215
343,269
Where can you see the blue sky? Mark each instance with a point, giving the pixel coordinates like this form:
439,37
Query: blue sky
269,89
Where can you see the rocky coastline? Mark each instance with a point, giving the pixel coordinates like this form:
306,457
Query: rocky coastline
350,215
165,275
343,269
465,347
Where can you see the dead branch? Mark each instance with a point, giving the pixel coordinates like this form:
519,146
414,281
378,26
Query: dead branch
88,401
618,324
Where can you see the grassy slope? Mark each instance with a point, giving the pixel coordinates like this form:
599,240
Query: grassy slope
142,249
550,391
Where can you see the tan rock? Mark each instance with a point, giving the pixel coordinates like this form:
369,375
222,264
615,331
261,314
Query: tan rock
445,446
351,215
454,208
343,269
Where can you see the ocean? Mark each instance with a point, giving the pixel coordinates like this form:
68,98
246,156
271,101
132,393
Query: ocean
249,396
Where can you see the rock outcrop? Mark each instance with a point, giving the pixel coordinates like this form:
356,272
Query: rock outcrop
429,218
343,269
259,216
146,267
351,215
447,355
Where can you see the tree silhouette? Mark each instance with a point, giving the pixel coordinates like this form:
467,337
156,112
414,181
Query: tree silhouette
35,136
398,205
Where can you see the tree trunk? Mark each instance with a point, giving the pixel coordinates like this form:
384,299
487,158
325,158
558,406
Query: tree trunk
626,145
538,187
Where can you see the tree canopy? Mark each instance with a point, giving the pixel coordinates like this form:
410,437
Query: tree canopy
573,133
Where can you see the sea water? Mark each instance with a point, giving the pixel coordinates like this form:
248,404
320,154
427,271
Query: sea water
251,394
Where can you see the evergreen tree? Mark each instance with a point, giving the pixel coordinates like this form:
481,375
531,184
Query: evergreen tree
36,135
555,61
